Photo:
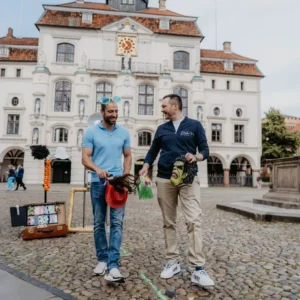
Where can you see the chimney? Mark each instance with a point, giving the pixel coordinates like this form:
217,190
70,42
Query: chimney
227,47
162,4
10,33
80,1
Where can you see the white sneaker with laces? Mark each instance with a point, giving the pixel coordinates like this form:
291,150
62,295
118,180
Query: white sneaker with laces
202,278
114,275
171,269
100,268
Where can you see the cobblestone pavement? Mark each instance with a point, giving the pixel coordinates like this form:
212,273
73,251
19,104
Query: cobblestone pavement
248,260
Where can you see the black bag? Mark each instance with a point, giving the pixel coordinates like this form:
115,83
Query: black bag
18,216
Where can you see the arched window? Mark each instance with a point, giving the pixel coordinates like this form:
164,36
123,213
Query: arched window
60,135
146,96
181,60
102,89
15,101
63,96
65,53
144,138
183,93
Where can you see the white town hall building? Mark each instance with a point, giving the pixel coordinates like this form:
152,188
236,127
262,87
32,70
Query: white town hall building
50,86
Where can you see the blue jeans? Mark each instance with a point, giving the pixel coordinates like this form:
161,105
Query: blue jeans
111,254
10,182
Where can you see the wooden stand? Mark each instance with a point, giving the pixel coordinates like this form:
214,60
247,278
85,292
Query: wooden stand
71,210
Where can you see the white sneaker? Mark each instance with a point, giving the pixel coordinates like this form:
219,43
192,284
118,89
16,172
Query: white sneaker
170,270
100,268
202,278
114,275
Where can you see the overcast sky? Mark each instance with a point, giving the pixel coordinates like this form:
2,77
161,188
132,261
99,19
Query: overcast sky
266,30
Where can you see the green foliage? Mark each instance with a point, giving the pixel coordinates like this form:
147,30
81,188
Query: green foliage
277,141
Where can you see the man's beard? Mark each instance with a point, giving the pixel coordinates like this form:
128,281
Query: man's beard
109,121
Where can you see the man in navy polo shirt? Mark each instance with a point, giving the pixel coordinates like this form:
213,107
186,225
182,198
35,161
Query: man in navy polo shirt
180,136
102,149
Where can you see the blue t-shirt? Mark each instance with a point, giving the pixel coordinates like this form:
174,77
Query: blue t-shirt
107,148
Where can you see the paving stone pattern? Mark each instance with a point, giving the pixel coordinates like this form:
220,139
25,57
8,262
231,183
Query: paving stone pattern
248,260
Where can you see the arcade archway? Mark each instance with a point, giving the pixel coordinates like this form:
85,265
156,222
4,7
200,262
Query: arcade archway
215,171
240,173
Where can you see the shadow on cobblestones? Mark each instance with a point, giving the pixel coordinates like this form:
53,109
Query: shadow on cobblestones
248,260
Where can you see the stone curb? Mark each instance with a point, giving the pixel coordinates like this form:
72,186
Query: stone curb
37,283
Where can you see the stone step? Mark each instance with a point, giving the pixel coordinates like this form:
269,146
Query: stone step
278,203
283,197
260,212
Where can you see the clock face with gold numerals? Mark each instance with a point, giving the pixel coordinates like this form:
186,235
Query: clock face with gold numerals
126,45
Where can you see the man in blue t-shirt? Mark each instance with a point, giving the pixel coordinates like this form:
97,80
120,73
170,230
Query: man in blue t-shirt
102,149
180,137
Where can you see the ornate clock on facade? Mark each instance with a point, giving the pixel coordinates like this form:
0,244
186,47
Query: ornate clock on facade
126,45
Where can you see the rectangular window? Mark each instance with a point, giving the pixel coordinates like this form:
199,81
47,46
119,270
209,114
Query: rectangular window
127,1
213,84
242,85
239,133
60,135
4,52
228,65
228,85
87,18
216,132
164,24
2,72
18,73
13,122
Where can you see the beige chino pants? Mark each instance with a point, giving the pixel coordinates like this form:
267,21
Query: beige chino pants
189,195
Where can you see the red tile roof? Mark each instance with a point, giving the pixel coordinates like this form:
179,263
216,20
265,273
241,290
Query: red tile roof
157,11
9,39
238,68
24,55
223,55
19,41
73,19
88,5
295,128
102,6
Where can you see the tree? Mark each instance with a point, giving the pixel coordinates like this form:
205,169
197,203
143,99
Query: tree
277,141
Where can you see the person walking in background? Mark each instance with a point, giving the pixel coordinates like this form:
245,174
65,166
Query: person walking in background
11,178
19,178
259,180
178,140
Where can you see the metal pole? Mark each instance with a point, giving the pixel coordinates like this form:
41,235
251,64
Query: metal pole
216,22
45,197
84,197
21,17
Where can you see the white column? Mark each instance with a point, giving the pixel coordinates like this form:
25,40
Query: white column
202,173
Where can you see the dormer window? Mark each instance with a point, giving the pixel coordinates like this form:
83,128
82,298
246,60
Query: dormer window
127,1
87,18
164,24
228,65
4,52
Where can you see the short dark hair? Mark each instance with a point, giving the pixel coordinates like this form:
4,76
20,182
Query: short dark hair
175,99
103,106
